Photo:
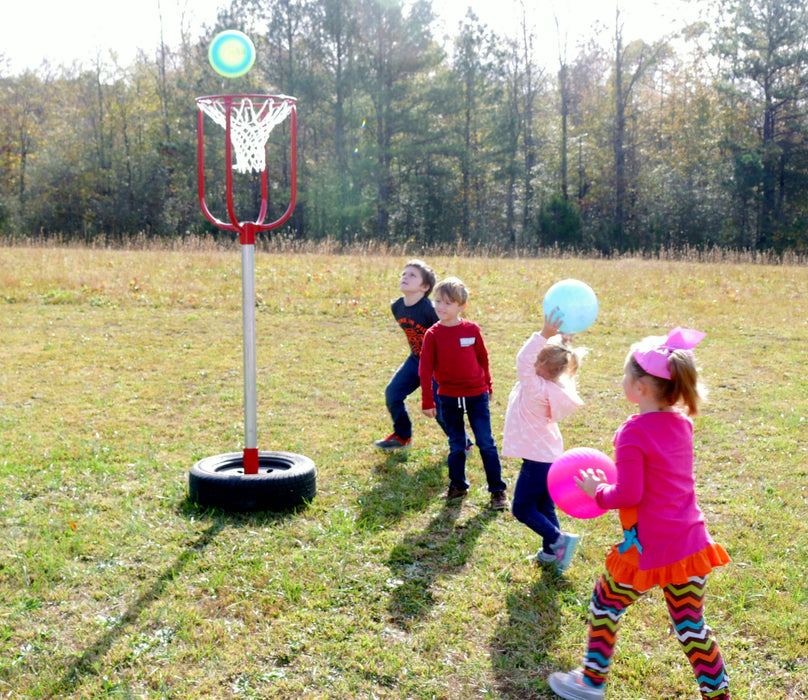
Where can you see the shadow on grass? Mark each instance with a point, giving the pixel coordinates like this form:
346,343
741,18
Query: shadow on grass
440,550
402,488
522,643
89,663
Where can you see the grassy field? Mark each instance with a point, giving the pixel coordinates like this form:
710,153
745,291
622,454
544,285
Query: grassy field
120,369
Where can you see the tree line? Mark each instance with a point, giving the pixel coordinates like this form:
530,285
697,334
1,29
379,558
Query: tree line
695,140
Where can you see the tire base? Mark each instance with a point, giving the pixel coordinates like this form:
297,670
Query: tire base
284,480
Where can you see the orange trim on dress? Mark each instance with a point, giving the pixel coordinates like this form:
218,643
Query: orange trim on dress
624,568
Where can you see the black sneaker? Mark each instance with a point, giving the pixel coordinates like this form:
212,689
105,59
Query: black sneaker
499,500
455,492
393,442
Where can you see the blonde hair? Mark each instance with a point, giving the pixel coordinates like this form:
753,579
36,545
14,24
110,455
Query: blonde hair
453,290
558,357
683,388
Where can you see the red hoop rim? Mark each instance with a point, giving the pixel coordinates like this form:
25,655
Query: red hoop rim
247,96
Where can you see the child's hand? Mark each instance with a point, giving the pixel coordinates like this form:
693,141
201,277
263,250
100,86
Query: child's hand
552,323
588,480
430,412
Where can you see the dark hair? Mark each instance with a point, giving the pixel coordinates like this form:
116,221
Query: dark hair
427,273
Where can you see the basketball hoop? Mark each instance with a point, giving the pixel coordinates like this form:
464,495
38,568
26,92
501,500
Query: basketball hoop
247,121
251,119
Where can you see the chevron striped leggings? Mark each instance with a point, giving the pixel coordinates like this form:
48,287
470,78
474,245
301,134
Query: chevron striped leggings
686,607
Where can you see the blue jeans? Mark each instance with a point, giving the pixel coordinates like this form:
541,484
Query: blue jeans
476,408
532,505
404,382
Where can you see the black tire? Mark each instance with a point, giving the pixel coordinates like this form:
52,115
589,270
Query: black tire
284,480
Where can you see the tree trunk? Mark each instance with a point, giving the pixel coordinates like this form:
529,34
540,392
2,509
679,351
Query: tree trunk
619,134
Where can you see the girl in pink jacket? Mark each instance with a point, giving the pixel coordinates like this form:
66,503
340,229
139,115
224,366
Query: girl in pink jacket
544,394
665,539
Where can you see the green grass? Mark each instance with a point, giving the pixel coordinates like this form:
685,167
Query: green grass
120,369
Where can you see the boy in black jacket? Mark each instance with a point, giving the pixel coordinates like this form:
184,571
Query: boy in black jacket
415,313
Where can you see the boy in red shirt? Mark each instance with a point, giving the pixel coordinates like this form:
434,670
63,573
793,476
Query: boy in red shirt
454,353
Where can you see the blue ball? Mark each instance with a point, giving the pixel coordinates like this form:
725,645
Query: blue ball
575,302
231,53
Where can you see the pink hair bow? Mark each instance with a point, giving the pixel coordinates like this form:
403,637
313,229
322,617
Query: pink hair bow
655,360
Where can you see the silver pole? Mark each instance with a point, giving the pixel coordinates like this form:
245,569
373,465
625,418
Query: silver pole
250,371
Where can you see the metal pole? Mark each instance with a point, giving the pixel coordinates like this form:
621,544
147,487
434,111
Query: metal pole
250,366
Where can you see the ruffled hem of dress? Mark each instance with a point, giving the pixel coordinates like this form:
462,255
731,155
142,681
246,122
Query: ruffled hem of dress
701,563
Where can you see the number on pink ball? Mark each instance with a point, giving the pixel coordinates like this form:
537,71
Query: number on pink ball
561,480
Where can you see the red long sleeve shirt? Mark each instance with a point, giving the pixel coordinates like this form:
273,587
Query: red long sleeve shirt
458,359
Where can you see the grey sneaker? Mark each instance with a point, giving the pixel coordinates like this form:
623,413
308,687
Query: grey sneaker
543,558
564,550
393,442
571,686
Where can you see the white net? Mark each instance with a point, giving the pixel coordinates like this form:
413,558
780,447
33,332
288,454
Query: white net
252,119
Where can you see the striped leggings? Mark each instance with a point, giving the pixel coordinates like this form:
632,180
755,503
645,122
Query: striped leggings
686,607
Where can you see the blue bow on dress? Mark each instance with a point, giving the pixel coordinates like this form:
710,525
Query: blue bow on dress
630,538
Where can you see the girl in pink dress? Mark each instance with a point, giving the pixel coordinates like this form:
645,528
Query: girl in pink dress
666,542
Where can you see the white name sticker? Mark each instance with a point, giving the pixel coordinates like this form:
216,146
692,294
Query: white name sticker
466,342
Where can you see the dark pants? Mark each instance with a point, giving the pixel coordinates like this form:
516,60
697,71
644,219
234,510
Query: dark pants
404,382
532,505
476,408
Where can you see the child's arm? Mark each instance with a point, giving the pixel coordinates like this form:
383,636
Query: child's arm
482,358
425,369
526,357
628,490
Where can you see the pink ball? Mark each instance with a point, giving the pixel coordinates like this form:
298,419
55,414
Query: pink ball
561,480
